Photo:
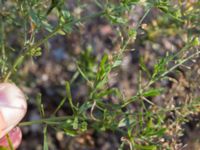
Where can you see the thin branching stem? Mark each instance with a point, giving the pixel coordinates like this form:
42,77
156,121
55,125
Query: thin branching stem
23,53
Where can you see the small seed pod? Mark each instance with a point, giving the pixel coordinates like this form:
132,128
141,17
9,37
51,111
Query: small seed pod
13,107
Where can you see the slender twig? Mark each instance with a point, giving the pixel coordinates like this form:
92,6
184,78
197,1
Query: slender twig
52,120
160,77
23,53
143,17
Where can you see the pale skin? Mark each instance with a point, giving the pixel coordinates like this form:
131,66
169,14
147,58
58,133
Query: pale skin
13,107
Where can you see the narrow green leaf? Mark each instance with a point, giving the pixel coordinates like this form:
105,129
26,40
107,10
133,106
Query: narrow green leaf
144,67
60,105
69,96
152,92
147,147
105,93
45,144
39,104
70,132
75,123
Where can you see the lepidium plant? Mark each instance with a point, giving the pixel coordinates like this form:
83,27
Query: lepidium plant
139,120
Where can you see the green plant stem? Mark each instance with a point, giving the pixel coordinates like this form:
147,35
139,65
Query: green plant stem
24,52
143,17
160,77
57,120
174,67
52,121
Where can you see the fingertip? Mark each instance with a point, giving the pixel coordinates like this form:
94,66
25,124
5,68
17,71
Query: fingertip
15,136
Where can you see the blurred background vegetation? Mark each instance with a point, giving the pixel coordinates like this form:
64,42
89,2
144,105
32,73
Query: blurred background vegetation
104,74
